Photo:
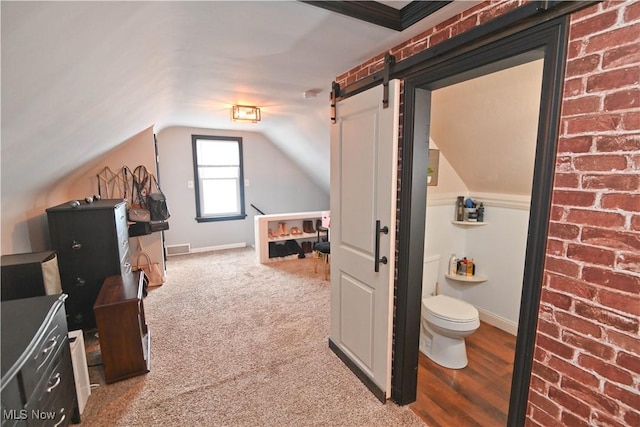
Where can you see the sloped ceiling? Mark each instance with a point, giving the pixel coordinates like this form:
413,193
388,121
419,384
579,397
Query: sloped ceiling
487,128
79,78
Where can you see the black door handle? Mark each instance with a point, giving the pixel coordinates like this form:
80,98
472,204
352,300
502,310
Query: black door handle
379,260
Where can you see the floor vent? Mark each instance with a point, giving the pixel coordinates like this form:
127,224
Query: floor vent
182,249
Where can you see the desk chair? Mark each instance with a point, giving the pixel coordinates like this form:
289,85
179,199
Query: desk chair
322,250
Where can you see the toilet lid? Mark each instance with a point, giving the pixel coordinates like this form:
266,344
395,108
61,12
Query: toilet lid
450,309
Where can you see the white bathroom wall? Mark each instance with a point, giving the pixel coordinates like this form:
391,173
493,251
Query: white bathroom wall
444,239
498,248
441,236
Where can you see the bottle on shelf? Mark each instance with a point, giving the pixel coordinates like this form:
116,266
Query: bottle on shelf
460,209
480,212
461,266
453,264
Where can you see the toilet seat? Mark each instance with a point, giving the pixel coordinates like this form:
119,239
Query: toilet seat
450,309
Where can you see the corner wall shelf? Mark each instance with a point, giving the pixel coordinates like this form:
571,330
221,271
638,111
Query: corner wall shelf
470,223
470,279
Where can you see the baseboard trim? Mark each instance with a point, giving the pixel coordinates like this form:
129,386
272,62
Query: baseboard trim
377,392
499,322
219,248
185,248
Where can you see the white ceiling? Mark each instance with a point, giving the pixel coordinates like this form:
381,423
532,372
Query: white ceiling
79,78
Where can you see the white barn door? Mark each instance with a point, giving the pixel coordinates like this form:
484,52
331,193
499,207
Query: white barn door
364,147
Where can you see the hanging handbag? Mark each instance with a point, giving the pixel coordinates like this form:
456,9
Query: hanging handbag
138,210
157,203
136,214
151,270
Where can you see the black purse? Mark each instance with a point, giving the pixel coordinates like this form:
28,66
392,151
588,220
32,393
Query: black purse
157,203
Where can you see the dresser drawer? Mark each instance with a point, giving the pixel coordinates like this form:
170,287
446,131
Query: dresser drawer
13,413
122,234
45,350
52,401
37,383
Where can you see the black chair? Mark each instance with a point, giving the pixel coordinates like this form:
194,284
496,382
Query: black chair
322,250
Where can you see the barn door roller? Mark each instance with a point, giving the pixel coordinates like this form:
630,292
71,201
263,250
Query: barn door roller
383,76
389,60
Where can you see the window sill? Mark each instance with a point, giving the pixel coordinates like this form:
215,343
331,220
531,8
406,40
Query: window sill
220,218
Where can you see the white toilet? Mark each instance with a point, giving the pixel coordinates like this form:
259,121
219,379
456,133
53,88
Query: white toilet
445,321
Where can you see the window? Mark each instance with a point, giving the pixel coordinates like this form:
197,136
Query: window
219,182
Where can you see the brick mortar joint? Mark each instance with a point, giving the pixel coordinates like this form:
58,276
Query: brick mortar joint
616,349
602,94
581,265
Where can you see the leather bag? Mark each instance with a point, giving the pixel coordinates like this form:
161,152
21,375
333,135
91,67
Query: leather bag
151,270
158,209
157,203
137,214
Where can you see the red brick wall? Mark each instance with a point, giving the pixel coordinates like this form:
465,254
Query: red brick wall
587,358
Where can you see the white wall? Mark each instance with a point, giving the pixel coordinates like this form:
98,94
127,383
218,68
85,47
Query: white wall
276,185
497,248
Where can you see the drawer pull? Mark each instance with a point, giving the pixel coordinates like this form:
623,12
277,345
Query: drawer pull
54,342
59,423
80,281
76,246
56,382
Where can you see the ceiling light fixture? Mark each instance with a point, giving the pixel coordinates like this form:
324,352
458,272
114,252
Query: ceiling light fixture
245,113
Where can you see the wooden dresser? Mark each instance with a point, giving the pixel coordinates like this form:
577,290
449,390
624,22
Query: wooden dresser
122,328
38,388
92,243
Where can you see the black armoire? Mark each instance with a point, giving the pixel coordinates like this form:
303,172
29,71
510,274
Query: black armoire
92,243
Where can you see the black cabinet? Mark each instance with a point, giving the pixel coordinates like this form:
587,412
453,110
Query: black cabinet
92,243
29,275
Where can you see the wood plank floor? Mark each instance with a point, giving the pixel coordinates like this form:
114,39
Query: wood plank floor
477,395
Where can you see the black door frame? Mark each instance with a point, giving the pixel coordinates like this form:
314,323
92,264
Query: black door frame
548,41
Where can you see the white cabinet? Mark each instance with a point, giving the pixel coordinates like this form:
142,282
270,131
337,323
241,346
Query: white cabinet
264,223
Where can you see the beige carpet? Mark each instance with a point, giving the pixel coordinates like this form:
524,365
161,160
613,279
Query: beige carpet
237,343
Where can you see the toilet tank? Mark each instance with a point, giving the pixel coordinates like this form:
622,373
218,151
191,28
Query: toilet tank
430,271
